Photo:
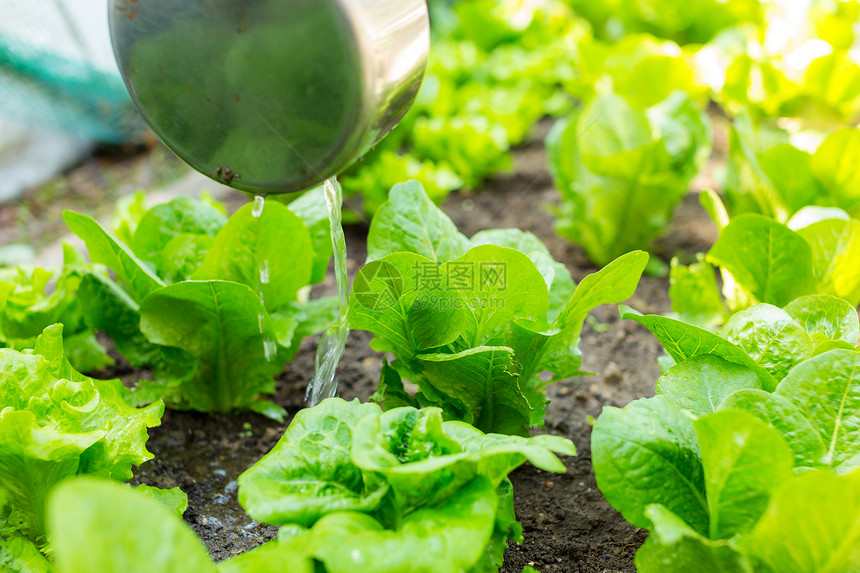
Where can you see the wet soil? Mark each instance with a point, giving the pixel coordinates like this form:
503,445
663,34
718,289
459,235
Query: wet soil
568,526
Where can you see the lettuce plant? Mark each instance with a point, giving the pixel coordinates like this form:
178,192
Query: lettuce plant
403,490
213,305
474,323
762,260
752,428
31,299
768,174
56,423
693,22
622,170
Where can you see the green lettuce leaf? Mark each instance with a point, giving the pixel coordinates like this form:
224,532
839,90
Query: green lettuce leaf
225,327
810,525
99,526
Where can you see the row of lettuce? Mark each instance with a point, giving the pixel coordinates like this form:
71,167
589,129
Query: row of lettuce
632,132
177,289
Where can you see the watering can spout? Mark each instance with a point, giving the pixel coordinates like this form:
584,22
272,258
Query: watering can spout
271,96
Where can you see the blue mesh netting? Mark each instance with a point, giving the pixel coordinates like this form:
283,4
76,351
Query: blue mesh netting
57,70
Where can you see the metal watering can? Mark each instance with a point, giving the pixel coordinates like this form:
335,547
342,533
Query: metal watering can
271,96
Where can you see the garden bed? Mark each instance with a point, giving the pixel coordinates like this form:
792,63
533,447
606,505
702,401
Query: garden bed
568,525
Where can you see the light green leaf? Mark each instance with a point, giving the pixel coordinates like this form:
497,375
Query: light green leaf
827,389
426,460
411,222
766,258
220,324
683,341
104,248
835,164
485,381
699,384
784,416
311,207
744,461
250,250
770,337
811,526
674,547
497,285
19,555
648,453
271,557
403,300
835,248
695,295
99,526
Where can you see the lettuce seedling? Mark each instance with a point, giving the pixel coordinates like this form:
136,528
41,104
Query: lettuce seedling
56,423
744,422
622,170
474,323
762,260
393,488
212,305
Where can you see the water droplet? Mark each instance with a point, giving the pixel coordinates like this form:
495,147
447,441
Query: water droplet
261,321
264,272
259,203
269,348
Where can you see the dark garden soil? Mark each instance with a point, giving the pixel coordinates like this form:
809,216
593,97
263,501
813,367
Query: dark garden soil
568,526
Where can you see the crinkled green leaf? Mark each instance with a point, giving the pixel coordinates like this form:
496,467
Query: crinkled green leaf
648,453
99,526
309,472
174,498
163,223
183,255
19,555
826,317
251,250
425,460
744,462
770,337
449,537
56,423
699,384
767,259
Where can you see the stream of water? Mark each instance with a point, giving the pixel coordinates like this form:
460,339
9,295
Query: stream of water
333,342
